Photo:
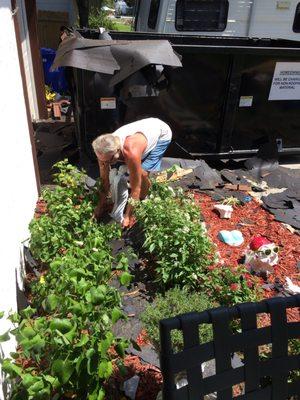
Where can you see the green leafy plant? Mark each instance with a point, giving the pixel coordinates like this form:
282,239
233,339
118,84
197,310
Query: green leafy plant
232,285
175,239
231,201
174,302
99,18
65,342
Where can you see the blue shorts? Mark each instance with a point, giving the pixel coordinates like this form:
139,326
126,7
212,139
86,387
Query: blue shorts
152,161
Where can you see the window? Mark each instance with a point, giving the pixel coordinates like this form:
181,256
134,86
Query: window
153,14
201,15
296,26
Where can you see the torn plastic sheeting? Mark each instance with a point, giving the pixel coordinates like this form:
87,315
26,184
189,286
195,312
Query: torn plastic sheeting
108,56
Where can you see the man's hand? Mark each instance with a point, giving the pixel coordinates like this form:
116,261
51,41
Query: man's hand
126,222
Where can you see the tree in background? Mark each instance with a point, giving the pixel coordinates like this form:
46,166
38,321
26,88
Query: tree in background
90,12
83,12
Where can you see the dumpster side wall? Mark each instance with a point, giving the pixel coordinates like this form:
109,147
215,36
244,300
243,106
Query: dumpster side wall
18,181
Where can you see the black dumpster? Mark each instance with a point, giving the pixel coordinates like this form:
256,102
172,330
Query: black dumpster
231,96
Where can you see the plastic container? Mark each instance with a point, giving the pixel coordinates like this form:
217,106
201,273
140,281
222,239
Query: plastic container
55,79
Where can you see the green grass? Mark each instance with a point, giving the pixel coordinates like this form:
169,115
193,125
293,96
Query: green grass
122,27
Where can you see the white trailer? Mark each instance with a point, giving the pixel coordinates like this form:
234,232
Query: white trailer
242,18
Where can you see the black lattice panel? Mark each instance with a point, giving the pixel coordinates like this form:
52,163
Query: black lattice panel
261,378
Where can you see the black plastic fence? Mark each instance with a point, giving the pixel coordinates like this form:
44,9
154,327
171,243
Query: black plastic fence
262,378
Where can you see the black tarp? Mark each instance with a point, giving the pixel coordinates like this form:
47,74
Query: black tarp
120,58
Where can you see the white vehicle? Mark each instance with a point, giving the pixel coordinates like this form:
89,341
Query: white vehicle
242,18
122,9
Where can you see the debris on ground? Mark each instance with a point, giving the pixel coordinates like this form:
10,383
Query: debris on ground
232,238
224,210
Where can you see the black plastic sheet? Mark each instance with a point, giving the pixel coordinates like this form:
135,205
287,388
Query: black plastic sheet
120,58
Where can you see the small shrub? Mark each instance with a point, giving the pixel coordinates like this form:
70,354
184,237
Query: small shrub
232,285
175,239
174,302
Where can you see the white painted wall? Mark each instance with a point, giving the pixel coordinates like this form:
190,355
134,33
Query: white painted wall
31,89
18,183
59,5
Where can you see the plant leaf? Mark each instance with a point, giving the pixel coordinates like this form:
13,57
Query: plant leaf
126,278
62,369
5,337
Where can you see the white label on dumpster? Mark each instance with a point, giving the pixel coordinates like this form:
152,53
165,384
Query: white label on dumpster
246,101
286,81
108,103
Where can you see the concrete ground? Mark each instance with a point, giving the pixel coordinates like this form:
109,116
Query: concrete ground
292,162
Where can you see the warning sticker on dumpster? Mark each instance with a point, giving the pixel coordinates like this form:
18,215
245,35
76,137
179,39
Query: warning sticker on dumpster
108,103
286,81
246,101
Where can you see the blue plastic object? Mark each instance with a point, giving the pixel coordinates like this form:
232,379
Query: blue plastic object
232,238
247,199
55,79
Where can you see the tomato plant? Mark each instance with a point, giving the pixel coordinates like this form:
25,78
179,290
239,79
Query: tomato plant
175,238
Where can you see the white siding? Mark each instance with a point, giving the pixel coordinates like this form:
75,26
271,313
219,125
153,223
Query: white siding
18,184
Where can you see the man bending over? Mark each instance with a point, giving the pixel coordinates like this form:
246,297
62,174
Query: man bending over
141,145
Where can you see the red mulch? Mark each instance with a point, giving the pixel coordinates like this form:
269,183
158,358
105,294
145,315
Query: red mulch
150,378
263,225
255,222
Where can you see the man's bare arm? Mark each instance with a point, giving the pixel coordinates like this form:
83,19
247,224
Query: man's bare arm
135,176
104,190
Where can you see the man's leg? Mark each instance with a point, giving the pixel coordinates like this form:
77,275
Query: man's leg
145,184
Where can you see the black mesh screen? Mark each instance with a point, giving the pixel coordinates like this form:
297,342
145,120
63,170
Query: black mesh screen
201,15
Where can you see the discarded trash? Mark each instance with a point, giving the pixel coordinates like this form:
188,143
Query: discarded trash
130,386
290,287
181,380
159,396
247,199
261,256
232,238
231,201
224,210
285,206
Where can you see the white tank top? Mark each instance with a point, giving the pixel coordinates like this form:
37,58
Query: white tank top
154,130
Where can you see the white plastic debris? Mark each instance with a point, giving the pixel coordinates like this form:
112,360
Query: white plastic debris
290,287
159,396
224,210
181,380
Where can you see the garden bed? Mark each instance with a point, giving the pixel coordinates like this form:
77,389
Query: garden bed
94,308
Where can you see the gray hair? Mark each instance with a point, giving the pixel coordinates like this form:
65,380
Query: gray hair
108,143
